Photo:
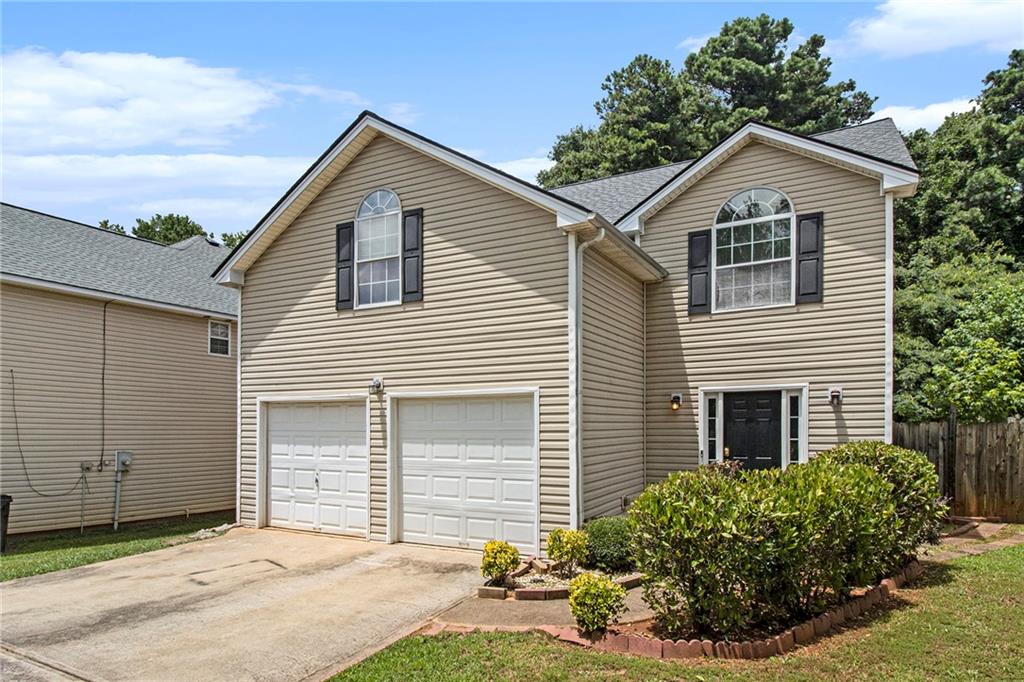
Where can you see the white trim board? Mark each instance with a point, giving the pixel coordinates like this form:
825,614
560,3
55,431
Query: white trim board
45,285
391,430
262,402
892,178
889,331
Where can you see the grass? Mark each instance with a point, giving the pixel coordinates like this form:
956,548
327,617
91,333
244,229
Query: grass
960,621
37,553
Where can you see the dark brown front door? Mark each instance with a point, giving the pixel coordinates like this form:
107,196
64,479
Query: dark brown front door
753,429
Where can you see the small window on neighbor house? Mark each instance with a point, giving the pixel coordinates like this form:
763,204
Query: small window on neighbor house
220,338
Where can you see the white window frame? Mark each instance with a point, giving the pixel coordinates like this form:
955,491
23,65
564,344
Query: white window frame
210,337
718,392
355,246
750,221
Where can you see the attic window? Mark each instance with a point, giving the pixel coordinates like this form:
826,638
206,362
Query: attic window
378,249
220,338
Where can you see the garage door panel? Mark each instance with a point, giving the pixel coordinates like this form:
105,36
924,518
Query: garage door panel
318,461
468,471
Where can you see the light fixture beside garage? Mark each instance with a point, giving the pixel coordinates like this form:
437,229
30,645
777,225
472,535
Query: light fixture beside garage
376,386
677,401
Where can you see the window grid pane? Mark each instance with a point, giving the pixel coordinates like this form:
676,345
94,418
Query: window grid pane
753,265
219,346
378,281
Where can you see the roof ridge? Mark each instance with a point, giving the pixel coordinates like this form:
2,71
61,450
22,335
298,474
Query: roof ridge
619,175
855,125
80,223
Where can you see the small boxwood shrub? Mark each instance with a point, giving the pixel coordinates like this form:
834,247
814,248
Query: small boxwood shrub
595,601
919,504
725,553
569,547
500,558
608,543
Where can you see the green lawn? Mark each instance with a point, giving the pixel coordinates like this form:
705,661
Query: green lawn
960,621
44,552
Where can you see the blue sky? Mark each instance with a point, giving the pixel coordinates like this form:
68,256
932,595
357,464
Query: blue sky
123,110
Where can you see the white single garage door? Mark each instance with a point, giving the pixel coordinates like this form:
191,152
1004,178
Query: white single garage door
318,477
467,471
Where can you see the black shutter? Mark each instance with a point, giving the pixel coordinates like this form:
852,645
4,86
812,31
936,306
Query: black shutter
345,267
810,258
699,271
412,255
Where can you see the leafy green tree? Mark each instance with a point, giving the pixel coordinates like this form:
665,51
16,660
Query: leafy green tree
651,115
168,229
111,227
231,239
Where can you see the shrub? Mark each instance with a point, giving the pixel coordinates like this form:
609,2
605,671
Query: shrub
608,543
725,553
919,506
595,601
500,558
568,547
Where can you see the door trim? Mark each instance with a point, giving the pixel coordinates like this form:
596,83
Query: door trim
786,389
263,402
391,431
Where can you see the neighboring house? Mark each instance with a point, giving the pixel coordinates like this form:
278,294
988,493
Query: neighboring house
112,343
434,351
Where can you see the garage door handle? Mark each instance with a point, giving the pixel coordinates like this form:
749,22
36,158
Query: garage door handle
316,480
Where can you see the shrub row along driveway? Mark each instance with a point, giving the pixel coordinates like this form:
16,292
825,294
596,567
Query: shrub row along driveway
247,605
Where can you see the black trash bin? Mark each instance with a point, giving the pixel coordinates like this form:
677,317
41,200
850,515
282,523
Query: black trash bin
5,513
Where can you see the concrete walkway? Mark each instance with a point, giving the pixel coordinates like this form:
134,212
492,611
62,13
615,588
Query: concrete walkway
983,537
250,605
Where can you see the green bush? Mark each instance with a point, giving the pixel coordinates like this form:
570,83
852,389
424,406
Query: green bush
920,508
500,558
726,553
595,601
608,543
568,547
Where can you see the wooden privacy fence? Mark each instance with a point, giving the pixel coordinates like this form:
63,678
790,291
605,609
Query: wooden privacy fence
981,466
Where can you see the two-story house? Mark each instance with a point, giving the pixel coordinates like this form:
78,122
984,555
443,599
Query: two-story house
434,351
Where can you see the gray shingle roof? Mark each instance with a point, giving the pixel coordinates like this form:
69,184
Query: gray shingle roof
52,249
615,195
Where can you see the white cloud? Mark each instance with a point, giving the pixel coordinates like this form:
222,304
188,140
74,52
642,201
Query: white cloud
320,92
402,113
694,43
221,191
906,27
525,168
930,116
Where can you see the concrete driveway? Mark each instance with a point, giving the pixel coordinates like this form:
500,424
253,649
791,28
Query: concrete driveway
250,605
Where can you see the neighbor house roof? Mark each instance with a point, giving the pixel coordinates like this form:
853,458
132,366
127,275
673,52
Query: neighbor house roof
42,250
614,196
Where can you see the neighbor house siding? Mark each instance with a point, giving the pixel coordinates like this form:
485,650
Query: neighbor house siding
838,342
494,313
167,400
612,382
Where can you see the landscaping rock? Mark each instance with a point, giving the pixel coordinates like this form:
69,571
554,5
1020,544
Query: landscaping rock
723,650
539,566
613,642
888,587
682,649
490,592
557,593
785,642
574,636
645,646
822,624
629,582
708,647
746,650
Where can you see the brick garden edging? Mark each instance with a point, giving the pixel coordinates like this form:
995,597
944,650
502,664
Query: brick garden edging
695,648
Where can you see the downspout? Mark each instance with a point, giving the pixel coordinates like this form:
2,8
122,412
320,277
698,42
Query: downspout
578,375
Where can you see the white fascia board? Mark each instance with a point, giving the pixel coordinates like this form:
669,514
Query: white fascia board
893,178
33,283
566,213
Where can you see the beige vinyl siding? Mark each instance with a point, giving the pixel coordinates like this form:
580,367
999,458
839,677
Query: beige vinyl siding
838,342
612,383
494,313
167,400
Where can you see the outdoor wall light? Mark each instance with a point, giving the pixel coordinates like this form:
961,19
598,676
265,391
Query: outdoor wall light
376,386
835,396
677,401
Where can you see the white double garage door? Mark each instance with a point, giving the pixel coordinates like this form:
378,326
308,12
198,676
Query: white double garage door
465,469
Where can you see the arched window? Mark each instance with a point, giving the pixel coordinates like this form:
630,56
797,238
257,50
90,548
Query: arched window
753,254
378,247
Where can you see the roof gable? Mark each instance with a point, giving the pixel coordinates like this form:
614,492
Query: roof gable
348,145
